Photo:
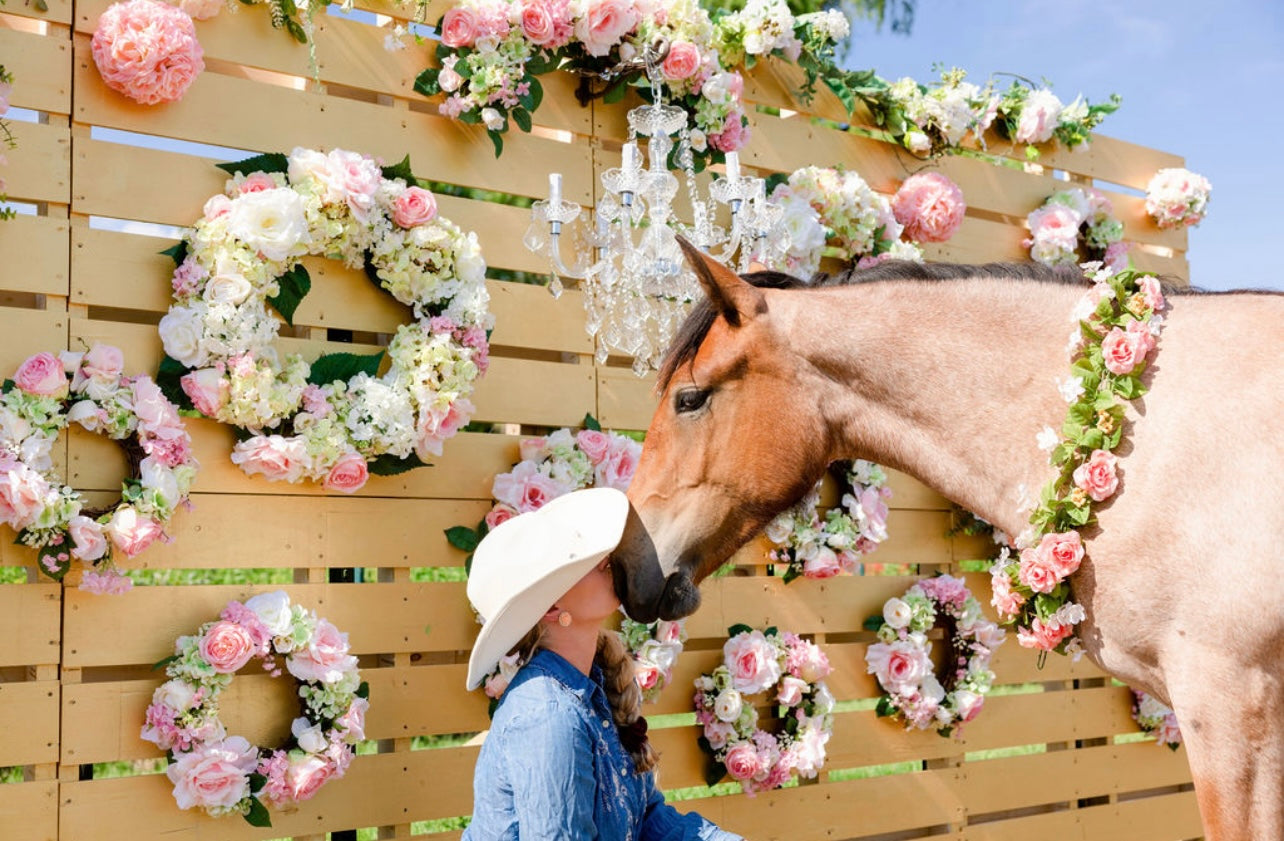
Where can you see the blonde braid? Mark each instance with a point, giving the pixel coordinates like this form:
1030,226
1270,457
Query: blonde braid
623,693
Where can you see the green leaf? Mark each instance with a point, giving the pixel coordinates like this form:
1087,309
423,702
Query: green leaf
300,34
390,465
1092,439
498,139
843,92
177,252
522,118
590,422
872,623
258,814
271,162
257,781
401,170
160,664
615,93
169,376
1126,387
771,631
426,82
885,708
535,95
791,573
462,537
714,771
363,691
738,628
293,286
1078,516
342,367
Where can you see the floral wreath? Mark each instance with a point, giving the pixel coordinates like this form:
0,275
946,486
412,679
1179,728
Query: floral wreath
47,394
1156,718
335,420
491,52
1117,323
1177,198
816,548
824,206
792,671
226,775
553,465
1075,225
902,658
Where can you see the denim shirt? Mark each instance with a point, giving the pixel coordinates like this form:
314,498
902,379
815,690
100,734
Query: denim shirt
552,767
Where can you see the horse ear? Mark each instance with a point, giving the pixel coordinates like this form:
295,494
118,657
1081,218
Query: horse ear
729,293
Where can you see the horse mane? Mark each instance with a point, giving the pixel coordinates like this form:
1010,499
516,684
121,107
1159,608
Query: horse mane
691,334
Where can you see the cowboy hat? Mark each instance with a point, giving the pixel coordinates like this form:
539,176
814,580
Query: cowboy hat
524,565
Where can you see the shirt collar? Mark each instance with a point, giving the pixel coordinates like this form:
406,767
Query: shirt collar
559,668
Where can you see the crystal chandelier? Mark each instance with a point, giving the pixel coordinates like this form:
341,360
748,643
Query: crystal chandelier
636,284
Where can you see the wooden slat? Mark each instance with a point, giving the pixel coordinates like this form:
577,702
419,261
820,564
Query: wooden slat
29,624
55,11
35,250
41,66
30,809
1161,818
39,170
625,400
29,721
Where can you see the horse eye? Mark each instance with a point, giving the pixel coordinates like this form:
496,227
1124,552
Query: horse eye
690,399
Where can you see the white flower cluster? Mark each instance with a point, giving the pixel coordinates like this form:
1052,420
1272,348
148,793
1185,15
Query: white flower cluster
943,115
1177,198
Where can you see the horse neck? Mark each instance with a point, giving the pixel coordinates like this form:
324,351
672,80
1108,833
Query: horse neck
948,381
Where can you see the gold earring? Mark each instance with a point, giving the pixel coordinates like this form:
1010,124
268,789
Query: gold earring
564,619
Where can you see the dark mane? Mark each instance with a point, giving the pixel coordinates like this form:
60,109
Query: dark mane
696,326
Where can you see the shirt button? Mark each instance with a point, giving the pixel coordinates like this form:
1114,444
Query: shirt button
606,723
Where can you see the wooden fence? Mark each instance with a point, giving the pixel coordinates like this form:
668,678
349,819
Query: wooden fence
1050,756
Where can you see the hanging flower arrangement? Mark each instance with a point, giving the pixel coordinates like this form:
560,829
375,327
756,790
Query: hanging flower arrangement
788,672
147,50
335,420
1030,114
902,658
1177,198
48,393
655,648
226,775
821,548
1074,226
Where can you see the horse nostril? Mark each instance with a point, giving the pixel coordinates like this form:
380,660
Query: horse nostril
680,599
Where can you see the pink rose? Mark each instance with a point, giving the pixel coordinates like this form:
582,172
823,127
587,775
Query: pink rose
42,375
131,533
620,464
743,762
525,488
416,206
899,666
1039,116
1097,476
752,661
537,23
216,775
930,206
532,449
734,134
1122,350
22,493
349,473
358,178
1145,339
968,704
718,733
791,691
646,674
824,564
668,632
459,27
257,182
604,23
682,61
595,444
207,389
1055,224
87,535
103,362
352,724
500,513
326,658
1004,599
226,646
156,414
1152,292
305,776
437,424
1042,636
1064,550
216,206
1038,572
275,456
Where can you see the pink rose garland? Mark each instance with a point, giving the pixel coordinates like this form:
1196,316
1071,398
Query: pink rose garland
147,51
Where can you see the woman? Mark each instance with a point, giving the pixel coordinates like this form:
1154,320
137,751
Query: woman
567,755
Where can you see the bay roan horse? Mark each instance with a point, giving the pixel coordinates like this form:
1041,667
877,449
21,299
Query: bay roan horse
947,373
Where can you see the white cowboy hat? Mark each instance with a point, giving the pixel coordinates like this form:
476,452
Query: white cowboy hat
524,565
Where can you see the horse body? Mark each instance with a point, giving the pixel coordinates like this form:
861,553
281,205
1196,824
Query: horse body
949,380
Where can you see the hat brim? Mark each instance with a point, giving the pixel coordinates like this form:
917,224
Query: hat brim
521,613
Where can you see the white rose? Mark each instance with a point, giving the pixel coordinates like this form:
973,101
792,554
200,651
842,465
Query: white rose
309,163
175,694
159,479
271,222
918,142
661,654
755,43
779,529
931,689
715,88
823,700
273,610
492,118
85,413
897,613
309,735
806,233
181,331
727,705
227,285
698,140
704,683
35,451
449,80
469,264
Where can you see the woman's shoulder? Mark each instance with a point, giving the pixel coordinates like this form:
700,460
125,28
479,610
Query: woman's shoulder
537,695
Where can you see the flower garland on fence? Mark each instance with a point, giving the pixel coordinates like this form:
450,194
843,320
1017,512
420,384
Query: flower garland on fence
824,206
1075,225
1156,718
491,52
226,775
1117,323
791,671
816,548
553,465
7,140
334,420
1177,198
45,395
902,658
147,50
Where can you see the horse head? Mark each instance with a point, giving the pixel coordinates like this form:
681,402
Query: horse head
721,456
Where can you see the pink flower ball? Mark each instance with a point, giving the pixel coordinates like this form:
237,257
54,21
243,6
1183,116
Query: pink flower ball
930,206
147,51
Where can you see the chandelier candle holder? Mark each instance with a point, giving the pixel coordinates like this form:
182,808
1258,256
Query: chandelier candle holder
636,284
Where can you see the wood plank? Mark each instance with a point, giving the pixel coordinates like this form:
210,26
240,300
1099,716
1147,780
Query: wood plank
1104,158
1160,818
35,252
29,721
30,616
30,809
39,169
29,332
55,11
625,400
41,64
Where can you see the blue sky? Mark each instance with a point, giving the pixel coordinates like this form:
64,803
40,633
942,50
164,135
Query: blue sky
1198,79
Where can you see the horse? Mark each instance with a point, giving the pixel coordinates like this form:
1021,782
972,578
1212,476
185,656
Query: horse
947,373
